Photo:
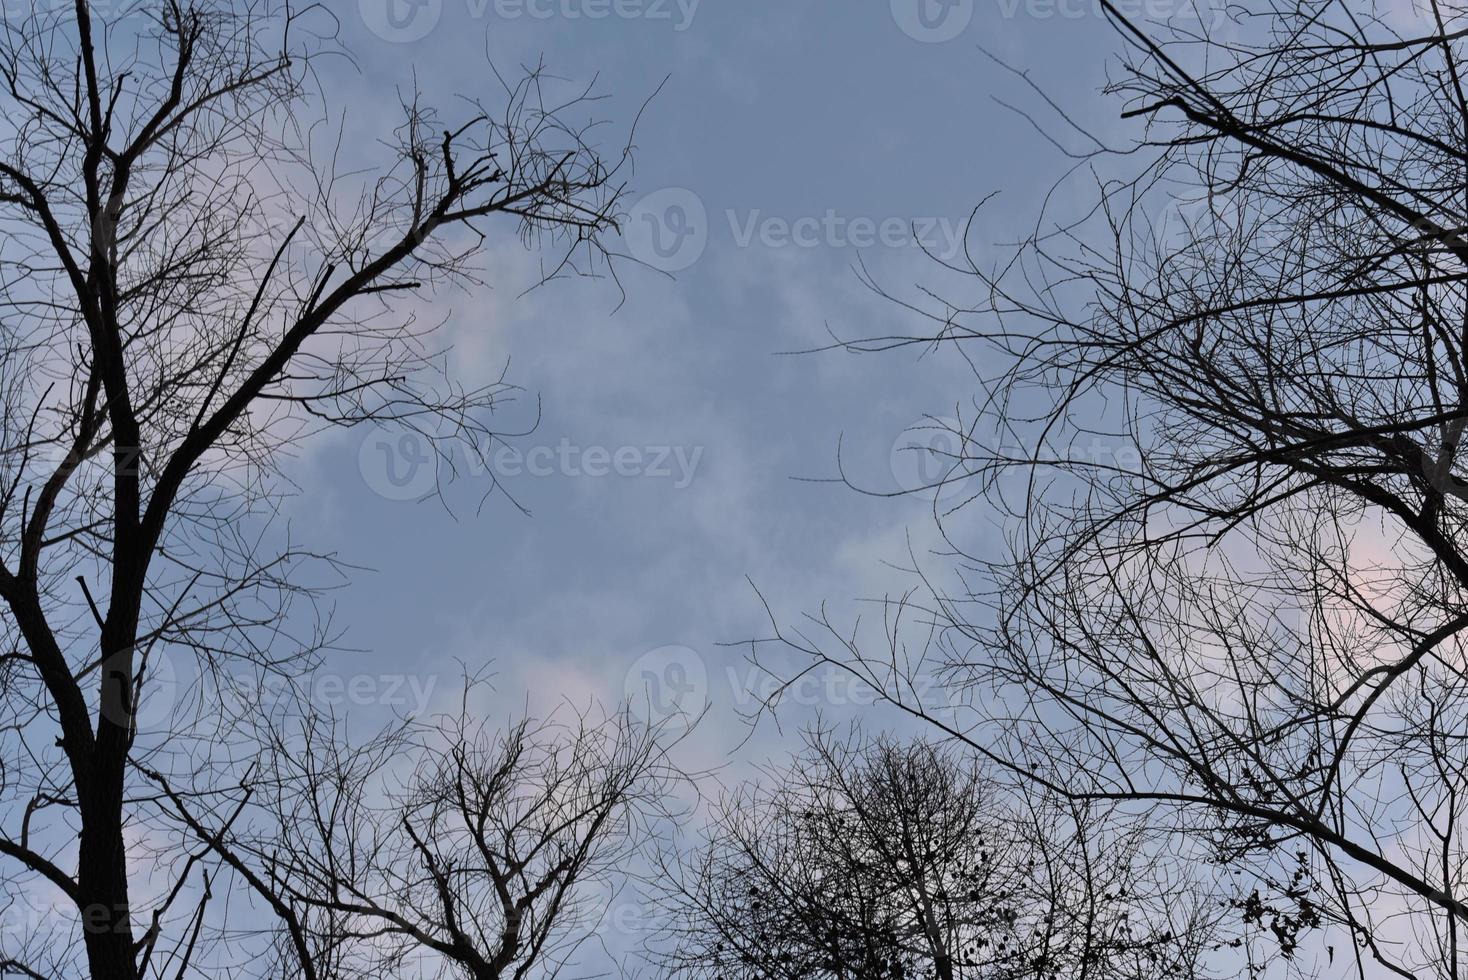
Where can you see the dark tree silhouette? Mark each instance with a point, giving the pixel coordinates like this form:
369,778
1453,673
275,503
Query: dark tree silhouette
491,855
1224,411
885,859
190,285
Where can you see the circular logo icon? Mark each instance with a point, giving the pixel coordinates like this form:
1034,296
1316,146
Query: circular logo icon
1190,219
156,696
668,686
400,21
398,465
932,21
928,457
667,229
1437,467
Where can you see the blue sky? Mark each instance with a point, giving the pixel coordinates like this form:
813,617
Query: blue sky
790,141
812,136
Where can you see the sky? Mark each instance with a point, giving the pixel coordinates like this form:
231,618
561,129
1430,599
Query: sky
683,455
680,440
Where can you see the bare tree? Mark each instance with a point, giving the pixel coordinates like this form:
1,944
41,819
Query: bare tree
455,847
1224,409
190,286
881,858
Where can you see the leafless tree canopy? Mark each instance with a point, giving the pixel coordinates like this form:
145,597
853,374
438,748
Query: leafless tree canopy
880,858
455,847
193,277
1224,408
